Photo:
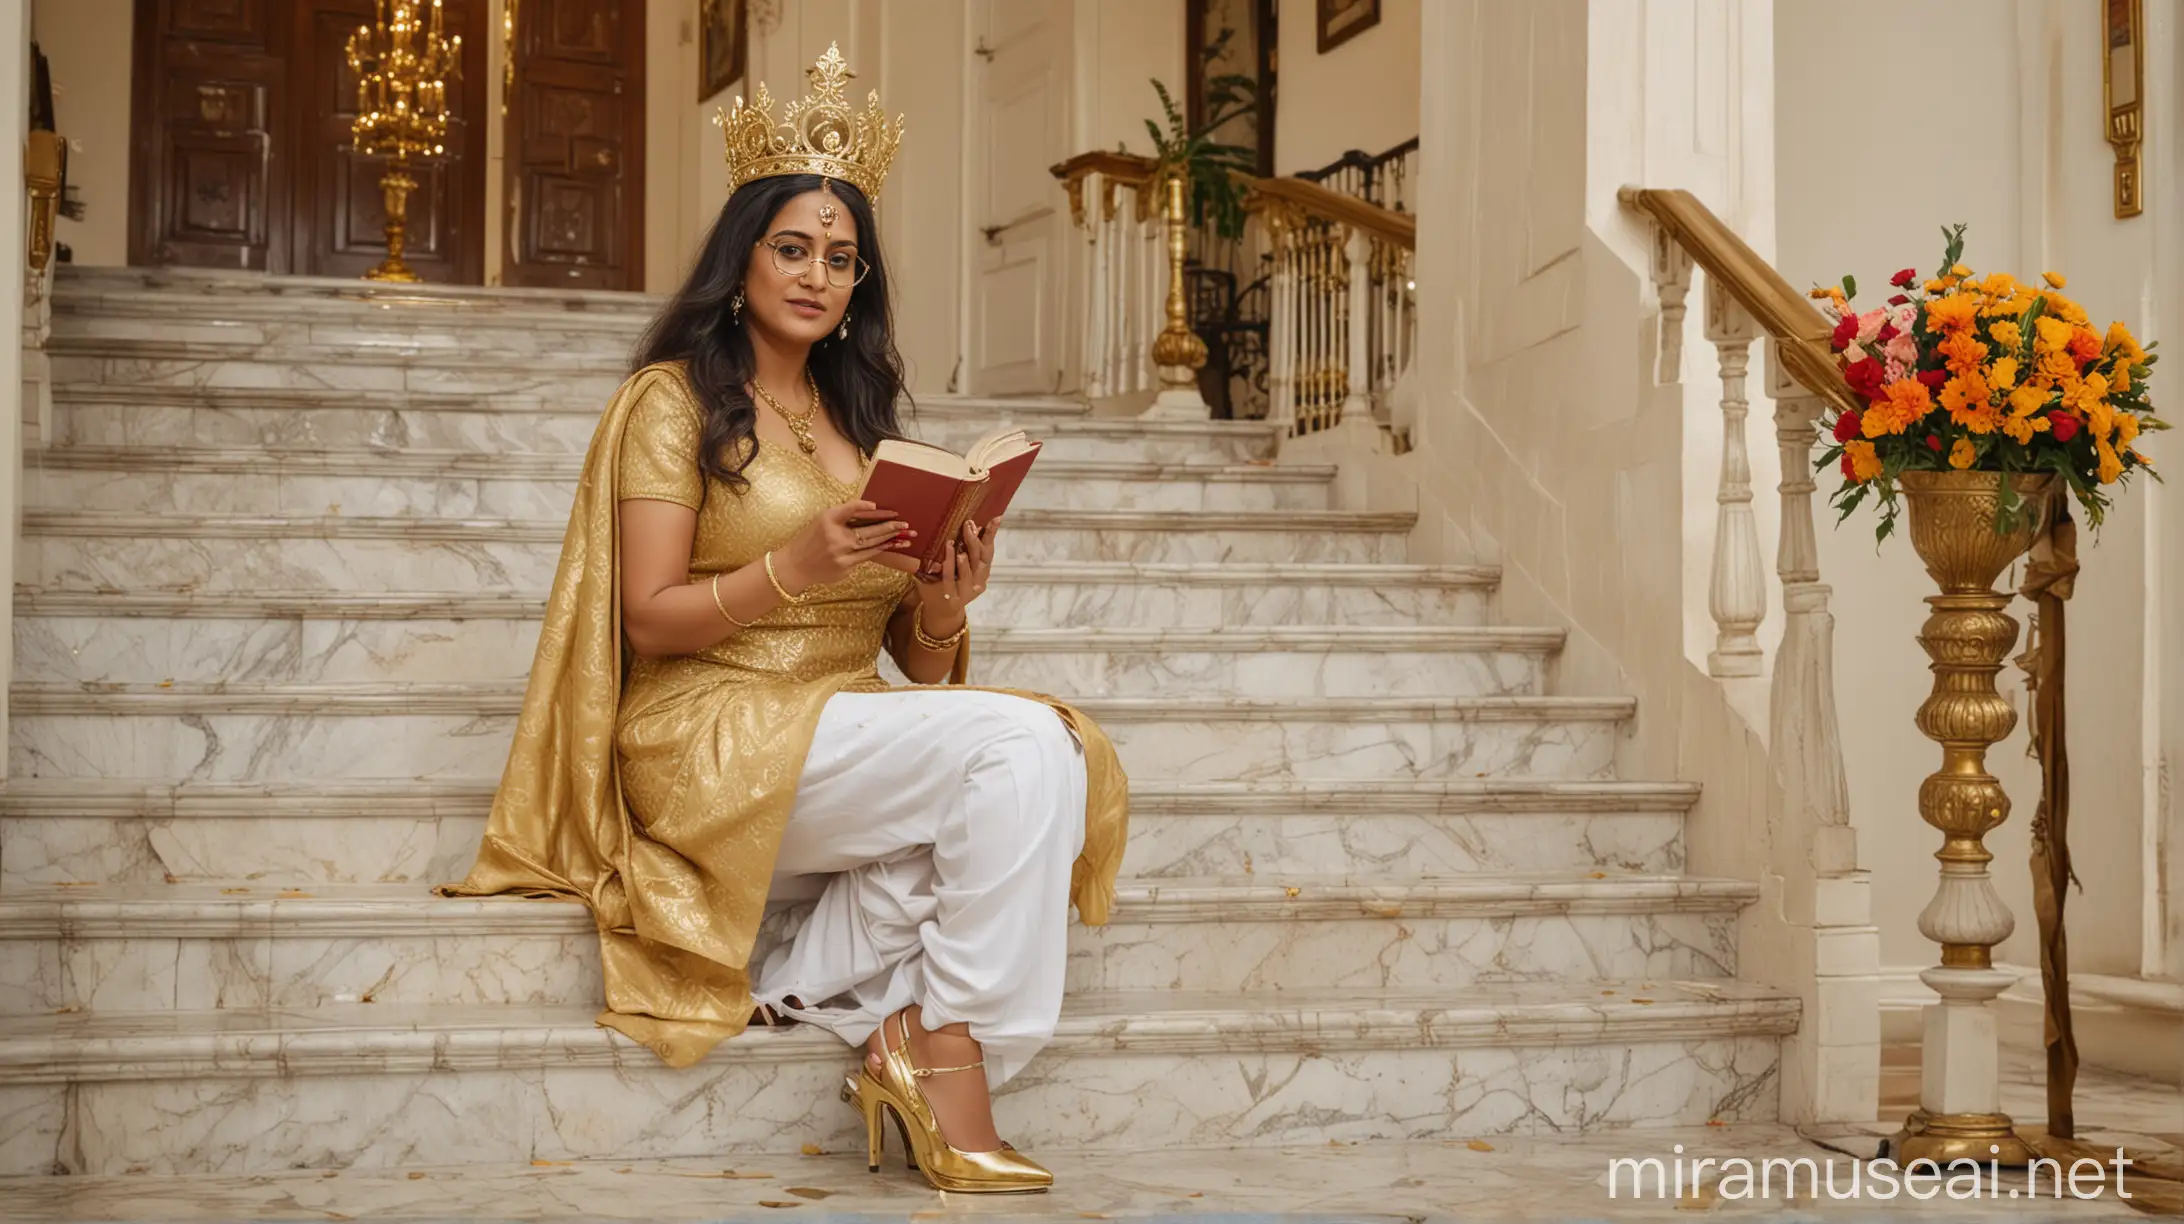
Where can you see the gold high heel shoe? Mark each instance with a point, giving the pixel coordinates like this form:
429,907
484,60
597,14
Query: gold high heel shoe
896,1091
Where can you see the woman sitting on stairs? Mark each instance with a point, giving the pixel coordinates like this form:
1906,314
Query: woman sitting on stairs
706,735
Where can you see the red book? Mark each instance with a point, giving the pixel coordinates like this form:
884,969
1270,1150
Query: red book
935,490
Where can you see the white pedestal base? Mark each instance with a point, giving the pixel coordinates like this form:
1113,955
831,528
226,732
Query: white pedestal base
1179,404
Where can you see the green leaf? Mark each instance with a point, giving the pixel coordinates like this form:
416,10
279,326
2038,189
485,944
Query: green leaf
1850,286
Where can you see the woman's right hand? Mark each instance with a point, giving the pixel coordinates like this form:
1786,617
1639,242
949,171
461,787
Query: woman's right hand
838,540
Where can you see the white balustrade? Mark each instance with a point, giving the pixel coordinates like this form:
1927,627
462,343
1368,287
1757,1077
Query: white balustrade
1343,329
1737,594
1114,205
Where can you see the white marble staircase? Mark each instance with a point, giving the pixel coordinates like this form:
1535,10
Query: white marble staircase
277,595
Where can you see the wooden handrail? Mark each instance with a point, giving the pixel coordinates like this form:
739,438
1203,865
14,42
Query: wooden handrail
1801,332
1313,200
1122,167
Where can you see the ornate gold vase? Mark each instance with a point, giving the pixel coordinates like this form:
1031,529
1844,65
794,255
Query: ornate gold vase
1967,635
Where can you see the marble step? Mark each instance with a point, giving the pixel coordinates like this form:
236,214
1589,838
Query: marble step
196,293
486,484
371,1086
72,831
1033,594
99,551
192,947
271,733
557,420
1286,661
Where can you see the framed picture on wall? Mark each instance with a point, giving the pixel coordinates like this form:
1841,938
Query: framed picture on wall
724,45
1342,20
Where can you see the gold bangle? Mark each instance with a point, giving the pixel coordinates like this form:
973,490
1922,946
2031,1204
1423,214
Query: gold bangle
917,631
780,590
714,585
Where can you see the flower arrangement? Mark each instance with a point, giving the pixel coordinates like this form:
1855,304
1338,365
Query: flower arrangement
1961,372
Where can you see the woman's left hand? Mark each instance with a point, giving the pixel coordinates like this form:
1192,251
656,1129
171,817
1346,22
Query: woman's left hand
963,578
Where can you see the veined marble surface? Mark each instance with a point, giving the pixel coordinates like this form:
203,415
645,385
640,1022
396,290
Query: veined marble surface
72,830
1348,661
1039,594
257,947
1461,1177
277,733
373,1086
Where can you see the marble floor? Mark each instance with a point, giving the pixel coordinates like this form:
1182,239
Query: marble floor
1457,1179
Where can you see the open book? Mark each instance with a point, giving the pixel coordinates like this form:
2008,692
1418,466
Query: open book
935,490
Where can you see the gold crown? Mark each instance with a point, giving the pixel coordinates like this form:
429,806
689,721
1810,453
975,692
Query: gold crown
818,134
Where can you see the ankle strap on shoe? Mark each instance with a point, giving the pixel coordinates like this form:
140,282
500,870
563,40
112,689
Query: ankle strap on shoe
926,1072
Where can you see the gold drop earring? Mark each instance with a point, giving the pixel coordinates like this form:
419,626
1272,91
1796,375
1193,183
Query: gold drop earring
844,332
735,306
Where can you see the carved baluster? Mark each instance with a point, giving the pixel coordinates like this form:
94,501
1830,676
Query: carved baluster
1737,595
1357,309
1282,326
1672,281
1806,739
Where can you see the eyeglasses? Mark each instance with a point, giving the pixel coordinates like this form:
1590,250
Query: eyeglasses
844,269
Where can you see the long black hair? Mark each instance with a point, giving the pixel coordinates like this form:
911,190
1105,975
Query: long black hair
859,378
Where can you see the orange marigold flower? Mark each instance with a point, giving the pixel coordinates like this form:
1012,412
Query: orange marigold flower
2028,399
2002,375
2059,367
1957,312
2127,429
2054,279
1999,284
1865,461
2066,310
2021,428
2111,463
2050,334
2006,334
2119,379
1966,397
2084,344
1932,286
1960,270
1902,402
1962,455
2120,340
1963,352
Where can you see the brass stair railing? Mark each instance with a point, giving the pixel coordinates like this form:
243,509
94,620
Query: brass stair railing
1343,304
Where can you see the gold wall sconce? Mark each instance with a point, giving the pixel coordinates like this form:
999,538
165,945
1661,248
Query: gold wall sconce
2123,78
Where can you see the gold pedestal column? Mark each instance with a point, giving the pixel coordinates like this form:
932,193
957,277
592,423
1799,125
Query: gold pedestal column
396,185
1967,635
402,63
1178,352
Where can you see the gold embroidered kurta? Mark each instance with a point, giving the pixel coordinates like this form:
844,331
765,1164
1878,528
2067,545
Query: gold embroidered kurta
655,790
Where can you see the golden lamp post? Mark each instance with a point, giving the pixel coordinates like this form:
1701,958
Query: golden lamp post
401,107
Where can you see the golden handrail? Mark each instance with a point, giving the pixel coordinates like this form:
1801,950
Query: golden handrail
1312,200
1801,332
1115,170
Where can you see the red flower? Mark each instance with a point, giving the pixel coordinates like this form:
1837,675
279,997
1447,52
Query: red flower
2063,425
1934,378
1899,299
1849,472
1933,443
1903,279
1845,332
1888,332
1848,424
1866,377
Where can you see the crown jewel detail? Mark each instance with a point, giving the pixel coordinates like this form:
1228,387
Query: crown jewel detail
816,134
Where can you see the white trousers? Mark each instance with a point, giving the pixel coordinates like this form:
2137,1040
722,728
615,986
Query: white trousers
932,840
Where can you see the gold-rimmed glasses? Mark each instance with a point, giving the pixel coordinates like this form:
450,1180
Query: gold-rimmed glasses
844,269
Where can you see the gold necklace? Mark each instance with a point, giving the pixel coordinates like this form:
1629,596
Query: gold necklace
798,425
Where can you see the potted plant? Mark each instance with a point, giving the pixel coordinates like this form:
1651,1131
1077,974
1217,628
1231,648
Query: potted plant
1209,166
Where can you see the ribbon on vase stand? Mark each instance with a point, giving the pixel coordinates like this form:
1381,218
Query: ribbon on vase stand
2051,574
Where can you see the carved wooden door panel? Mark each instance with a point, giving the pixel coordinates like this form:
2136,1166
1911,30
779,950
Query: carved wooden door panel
210,180
575,149
340,212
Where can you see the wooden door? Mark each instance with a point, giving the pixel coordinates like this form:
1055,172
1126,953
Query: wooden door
575,147
1018,129
209,183
340,213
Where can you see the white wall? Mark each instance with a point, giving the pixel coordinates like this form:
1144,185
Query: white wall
86,43
2031,175
1361,95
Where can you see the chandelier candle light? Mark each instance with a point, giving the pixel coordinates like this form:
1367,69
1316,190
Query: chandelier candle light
401,107
1986,400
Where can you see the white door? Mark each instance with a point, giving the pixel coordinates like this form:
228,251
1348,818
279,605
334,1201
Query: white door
1018,128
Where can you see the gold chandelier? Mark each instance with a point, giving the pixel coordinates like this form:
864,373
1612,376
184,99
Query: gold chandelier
402,65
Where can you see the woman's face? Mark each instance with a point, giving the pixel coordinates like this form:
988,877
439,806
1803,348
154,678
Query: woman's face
800,276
